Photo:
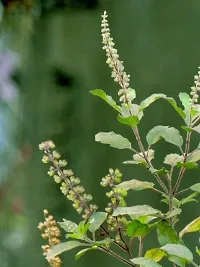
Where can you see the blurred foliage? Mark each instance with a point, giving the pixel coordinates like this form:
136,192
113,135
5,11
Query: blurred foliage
59,43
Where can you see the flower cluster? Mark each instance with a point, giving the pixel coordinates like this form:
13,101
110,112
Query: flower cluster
52,233
195,89
69,184
116,196
118,73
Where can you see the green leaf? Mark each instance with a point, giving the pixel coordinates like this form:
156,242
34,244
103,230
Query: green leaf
113,139
195,187
145,262
193,157
178,261
173,159
179,251
132,109
197,128
76,236
155,254
83,251
149,100
136,210
175,201
186,100
131,121
83,227
189,198
174,212
108,99
96,220
187,165
186,128
194,226
62,247
135,185
137,229
166,234
131,94
68,226
169,134
139,158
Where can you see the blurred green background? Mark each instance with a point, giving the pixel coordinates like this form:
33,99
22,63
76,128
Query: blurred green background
58,44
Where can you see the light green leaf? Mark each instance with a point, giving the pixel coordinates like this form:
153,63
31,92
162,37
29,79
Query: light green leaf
145,262
187,165
68,226
195,187
193,157
173,159
174,212
133,109
113,139
108,99
179,251
96,219
62,247
175,201
131,94
197,128
83,227
131,121
194,226
76,236
169,134
139,158
178,261
136,210
155,254
137,229
135,185
83,251
189,198
186,100
166,234
186,128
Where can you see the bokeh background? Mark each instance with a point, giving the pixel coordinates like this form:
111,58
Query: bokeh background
50,58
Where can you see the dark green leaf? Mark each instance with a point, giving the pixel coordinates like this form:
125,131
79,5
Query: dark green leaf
136,210
179,251
131,121
108,99
60,248
166,234
83,251
137,229
96,219
155,254
113,139
169,134
196,187
145,262
135,185
194,226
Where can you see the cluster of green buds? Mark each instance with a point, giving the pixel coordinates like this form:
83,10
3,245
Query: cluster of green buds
69,184
117,199
196,88
118,73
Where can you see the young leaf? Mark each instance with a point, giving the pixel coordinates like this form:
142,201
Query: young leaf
136,210
194,226
175,201
197,128
108,99
193,157
60,248
174,212
195,187
139,158
78,236
173,159
137,229
83,251
178,261
135,185
96,219
186,100
179,251
82,228
155,254
187,165
166,234
113,139
169,134
145,262
190,198
68,226
131,121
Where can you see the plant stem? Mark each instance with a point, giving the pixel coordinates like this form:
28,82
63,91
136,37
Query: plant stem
182,191
194,264
140,249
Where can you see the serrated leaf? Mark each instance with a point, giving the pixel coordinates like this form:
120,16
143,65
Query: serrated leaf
135,185
179,251
137,229
149,100
139,158
166,234
169,134
155,254
189,198
195,187
113,139
194,226
193,157
174,212
96,220
140,210
131,121
68,226
62,247
186,100
145,262
83,251
173,159
108,99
